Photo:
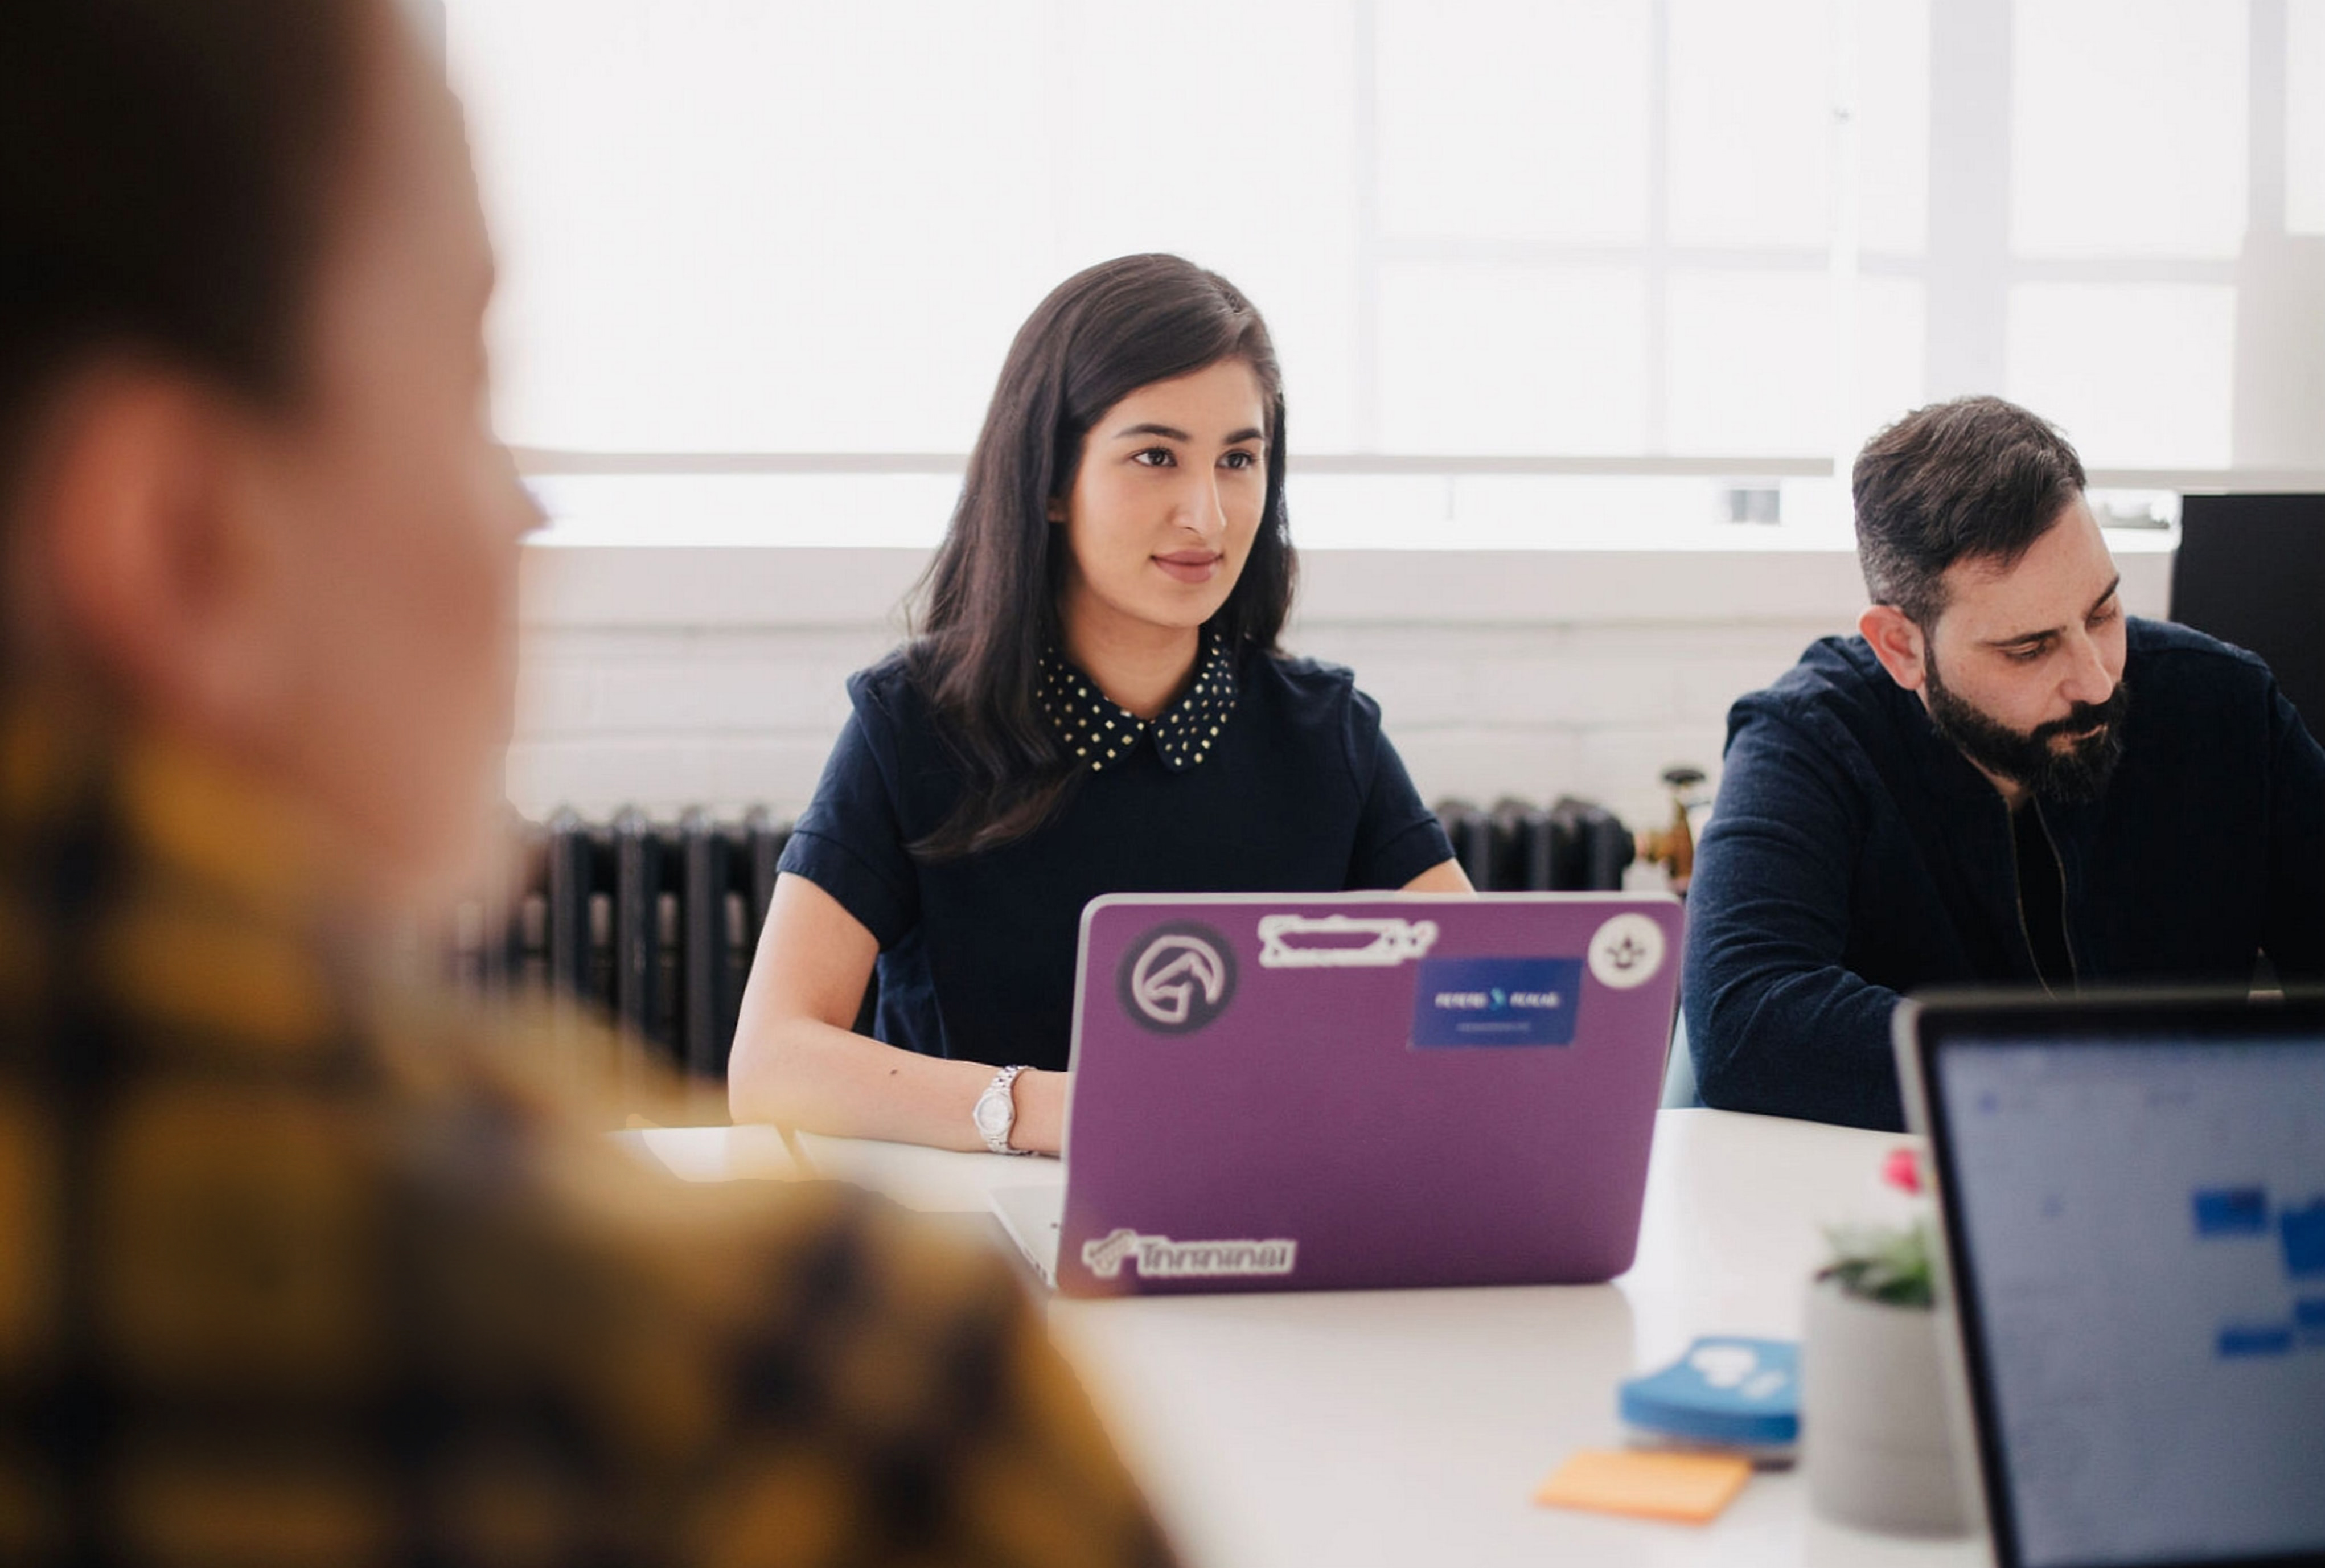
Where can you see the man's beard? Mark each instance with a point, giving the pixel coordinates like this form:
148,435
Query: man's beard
2079,773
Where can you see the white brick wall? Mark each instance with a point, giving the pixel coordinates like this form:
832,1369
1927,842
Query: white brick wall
666,677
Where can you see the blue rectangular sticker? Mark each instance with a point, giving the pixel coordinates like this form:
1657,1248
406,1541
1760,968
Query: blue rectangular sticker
2241,1339
1496,1001
2304,1238
2231,1212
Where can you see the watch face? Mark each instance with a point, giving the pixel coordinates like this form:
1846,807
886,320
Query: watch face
993,1116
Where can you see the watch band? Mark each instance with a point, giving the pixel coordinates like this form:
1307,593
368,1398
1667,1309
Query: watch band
996,1113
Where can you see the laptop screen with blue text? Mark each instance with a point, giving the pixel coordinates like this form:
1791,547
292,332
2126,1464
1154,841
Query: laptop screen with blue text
2140,1247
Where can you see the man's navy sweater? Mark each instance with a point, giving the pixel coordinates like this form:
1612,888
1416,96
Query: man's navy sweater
1856,855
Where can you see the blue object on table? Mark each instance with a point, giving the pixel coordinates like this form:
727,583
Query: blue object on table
1723,1393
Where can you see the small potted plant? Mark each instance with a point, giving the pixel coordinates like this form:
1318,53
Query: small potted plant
1874,1435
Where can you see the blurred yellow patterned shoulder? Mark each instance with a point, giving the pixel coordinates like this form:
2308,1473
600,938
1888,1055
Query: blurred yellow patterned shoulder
188,1505
769,1500
220,831
29,1201
244,1241
31,1505
24,963
254,991
34,757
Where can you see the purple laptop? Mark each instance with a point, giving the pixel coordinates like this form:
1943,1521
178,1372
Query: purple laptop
1357,1091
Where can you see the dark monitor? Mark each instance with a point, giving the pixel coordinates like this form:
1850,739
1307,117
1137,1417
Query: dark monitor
2251,571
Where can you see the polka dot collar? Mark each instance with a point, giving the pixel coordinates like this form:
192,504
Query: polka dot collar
1100,731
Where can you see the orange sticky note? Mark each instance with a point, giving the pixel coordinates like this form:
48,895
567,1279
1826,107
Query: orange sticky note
1691,1487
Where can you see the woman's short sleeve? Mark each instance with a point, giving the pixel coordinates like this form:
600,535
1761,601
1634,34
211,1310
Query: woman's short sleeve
849,841
1397,837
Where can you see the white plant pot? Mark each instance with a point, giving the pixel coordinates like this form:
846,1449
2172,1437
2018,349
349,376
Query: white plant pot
1873,1434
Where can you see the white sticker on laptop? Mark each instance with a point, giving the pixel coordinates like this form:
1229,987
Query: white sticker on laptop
1160,1258
1628,952
1341,941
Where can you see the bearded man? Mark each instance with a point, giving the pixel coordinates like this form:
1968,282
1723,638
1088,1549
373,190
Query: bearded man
2003,780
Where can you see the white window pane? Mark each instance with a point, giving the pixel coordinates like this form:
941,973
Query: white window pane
1752,363
735,226
2139,376
1750,118
1893,124
1890,338
1512,359
1226,137
1513,121
2304,117
2129,121
1589,511
1366,511
858,510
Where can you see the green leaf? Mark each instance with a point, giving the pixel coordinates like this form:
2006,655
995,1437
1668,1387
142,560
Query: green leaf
1882,1263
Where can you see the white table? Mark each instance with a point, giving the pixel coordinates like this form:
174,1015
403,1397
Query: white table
1411,1427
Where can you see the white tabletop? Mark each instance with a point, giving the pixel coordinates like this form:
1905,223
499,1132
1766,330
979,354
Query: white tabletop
1411,1427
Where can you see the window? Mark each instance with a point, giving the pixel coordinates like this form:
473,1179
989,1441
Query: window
1537,241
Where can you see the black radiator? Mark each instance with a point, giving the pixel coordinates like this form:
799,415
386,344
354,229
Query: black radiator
1576,846
653,925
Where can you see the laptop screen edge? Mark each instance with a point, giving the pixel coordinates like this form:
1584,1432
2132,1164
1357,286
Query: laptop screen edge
1977,1472
1924,1029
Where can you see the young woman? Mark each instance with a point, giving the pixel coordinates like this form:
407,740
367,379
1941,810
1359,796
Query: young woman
1095,704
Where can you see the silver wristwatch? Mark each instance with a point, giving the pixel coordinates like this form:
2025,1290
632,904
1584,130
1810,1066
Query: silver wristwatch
997,1112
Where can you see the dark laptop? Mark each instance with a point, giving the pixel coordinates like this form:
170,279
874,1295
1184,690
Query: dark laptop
2133,1195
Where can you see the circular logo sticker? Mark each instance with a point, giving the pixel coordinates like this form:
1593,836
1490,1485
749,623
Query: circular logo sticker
1628,952
1177,978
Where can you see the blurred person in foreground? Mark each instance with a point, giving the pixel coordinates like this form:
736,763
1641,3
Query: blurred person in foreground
293,1270
2002,780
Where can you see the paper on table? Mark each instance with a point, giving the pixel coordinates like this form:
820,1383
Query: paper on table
1690,1488
719,1155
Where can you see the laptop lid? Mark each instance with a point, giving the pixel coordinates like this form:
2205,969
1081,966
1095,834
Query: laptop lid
2133,1194
1276,1092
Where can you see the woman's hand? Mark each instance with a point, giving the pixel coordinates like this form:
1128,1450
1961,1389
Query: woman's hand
798,1063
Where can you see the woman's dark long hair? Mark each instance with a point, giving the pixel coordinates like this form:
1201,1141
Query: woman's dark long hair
989,601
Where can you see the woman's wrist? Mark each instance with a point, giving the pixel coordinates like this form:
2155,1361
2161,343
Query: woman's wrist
1041,1111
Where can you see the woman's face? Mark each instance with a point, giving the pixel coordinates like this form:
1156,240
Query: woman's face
1166,501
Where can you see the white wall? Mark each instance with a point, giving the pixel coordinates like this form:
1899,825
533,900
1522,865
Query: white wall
672,676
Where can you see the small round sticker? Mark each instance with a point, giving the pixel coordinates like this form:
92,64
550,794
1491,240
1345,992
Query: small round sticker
1628,952
1177,978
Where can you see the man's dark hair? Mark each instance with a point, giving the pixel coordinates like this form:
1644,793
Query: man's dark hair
164,173
1975,478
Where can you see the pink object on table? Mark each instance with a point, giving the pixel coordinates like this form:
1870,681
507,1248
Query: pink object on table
1902,1171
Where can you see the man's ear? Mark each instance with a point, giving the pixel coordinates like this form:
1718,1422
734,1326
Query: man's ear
148,551
1898,643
